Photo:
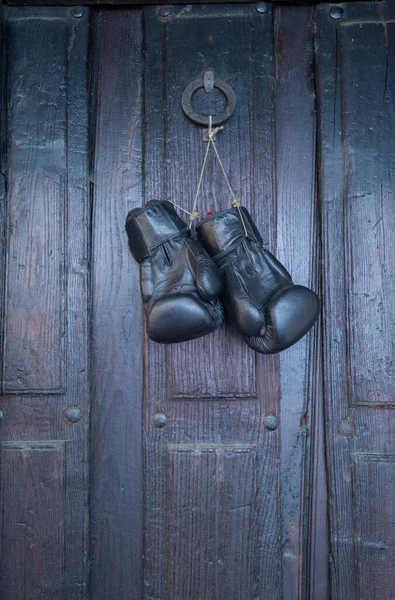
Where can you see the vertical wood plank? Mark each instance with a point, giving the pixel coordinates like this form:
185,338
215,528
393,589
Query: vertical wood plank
155,186
212,403
298,250
369,215
316,564
374,534
78,234
183,162
3,191
34,312
32,521
116,445
211,516
55,413
356,169
262,162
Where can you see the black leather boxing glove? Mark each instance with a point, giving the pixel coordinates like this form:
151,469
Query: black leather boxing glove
259,296
180,283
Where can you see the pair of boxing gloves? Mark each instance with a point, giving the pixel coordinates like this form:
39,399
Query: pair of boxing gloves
187,283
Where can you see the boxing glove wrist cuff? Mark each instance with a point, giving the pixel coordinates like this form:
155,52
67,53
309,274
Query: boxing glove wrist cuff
221,232
148,227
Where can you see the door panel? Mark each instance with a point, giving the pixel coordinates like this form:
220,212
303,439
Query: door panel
210,499
357,168
34,323
44,486
215,391
232,508
116,490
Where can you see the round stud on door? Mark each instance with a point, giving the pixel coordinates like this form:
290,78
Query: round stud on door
73,414
336,12
165,11
159,419
261,7
77,12
271,422
346,428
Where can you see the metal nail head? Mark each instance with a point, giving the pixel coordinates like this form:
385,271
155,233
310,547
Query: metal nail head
159,419
271,422
261,7
347,428
336,12
73,414
78,12
165,11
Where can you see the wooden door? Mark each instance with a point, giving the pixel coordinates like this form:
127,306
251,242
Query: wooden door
227,499
357,169
44,245
215,489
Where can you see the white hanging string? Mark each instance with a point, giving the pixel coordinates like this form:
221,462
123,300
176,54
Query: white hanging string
180,207
194,215
235,204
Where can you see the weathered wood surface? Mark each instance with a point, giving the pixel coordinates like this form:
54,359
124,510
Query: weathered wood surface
355,78
111,3
44,462
303,485
116,447
215,391
232,510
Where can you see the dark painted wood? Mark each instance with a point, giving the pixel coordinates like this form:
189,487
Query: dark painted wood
116,444
374,533
3,191
215,413
44,468
232,510
355,55
297,212
33,520
214,391
34,315
109,3
212,521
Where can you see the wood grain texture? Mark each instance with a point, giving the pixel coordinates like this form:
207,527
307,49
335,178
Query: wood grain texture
182,164
296,212
356,166
32,520
201,373
3,191
109,3
46,140
116,446
211,516
34,307
184,380
369,220
374,535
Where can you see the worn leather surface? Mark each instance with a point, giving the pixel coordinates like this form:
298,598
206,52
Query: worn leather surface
180,283
259,296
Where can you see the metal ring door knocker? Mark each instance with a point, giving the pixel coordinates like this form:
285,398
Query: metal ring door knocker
208,82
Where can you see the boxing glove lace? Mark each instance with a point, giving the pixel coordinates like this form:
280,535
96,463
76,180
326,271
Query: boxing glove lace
259,296
179,282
